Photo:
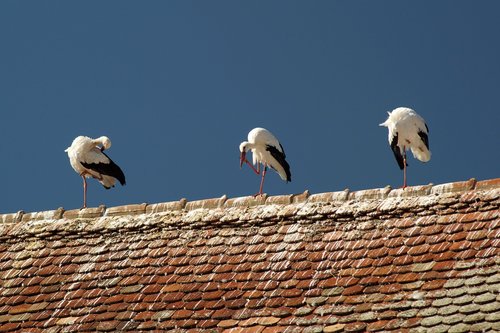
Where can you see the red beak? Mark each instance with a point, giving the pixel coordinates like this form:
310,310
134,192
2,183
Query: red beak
242,158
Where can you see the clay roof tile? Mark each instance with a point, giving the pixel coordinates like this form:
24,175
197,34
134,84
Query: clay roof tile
423,258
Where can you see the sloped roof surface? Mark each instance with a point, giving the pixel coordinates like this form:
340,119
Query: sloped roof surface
425,259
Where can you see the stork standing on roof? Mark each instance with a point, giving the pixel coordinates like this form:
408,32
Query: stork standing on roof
87,157
407,130
266,150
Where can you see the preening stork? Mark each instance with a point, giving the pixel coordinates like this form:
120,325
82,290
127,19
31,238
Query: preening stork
87,157
407,130
266,150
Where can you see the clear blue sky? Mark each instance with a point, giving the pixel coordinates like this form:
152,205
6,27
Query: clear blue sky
177,85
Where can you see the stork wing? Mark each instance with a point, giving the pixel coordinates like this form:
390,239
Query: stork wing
280,158
108,168
397,151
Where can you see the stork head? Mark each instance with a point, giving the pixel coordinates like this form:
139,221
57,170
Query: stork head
104,141
243,153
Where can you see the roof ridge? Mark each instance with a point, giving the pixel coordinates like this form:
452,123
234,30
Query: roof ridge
251,201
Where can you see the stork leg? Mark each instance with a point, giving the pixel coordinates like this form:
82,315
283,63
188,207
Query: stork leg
404,169
253,168
262,180
84,191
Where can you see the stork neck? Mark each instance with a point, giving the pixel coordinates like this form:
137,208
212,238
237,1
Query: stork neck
245,146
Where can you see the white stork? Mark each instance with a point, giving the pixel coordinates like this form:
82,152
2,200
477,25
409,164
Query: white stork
407,130
266,150
87,157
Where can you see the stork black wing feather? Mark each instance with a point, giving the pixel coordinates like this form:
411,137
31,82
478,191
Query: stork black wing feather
108,169
397,152
280,157
424,137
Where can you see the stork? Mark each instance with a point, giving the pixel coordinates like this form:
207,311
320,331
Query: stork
407,130
266,150
87,157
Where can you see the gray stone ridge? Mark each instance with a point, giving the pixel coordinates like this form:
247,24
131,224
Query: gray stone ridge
363,205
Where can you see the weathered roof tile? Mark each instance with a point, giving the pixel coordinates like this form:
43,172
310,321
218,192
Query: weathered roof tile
419,259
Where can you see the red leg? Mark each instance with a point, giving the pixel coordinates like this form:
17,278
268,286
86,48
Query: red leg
404,170
84,192
262,179
253,168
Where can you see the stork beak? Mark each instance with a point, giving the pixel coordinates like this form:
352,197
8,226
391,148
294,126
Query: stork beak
242,158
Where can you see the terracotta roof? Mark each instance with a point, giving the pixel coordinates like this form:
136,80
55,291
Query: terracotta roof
425,259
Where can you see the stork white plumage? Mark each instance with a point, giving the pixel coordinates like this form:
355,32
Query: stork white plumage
266,150
407,130
87,157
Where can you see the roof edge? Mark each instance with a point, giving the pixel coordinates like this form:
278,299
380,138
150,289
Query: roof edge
251,201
